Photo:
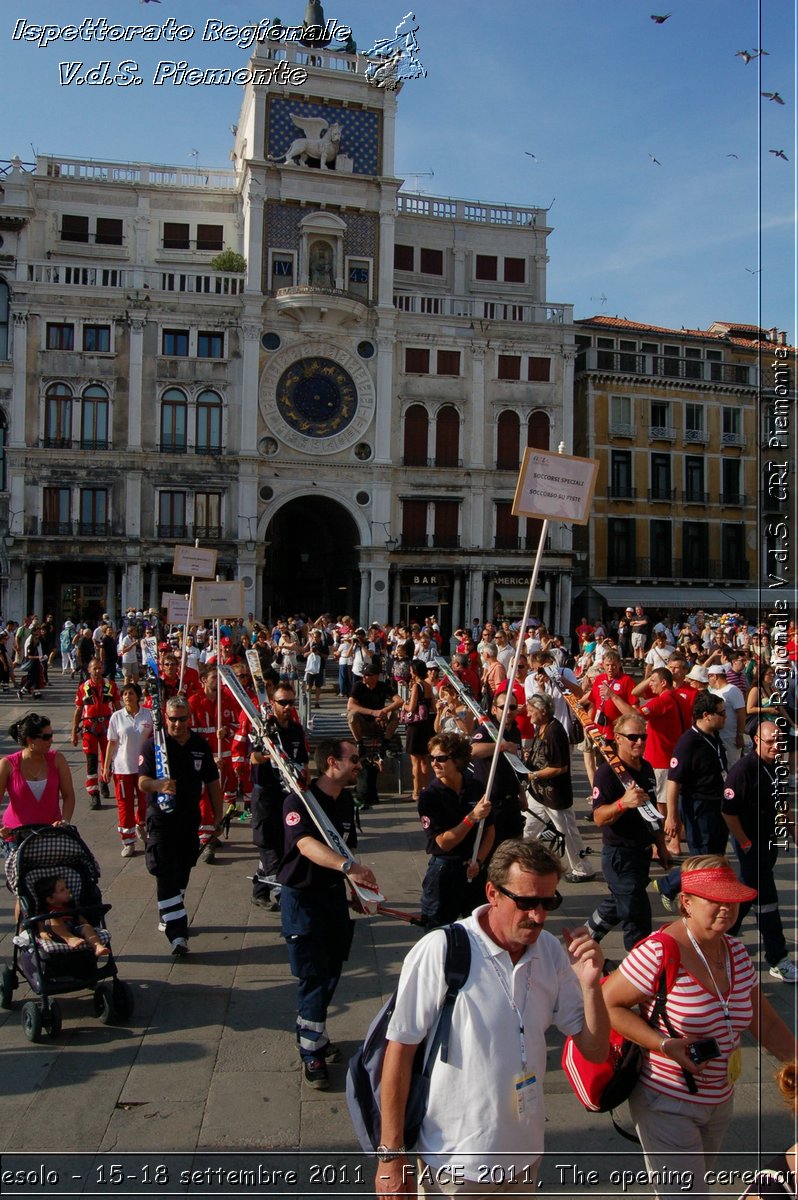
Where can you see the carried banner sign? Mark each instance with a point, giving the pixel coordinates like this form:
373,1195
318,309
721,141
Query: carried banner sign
555,485
212,600
176,608
191,560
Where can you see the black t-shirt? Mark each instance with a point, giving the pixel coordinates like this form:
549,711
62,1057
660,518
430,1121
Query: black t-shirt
441,808
374,698
631,829
505,781
551,748
750,794
191,765
296,871
294,743
698,765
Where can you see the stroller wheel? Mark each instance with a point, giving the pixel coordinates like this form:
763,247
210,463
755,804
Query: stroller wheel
123,1000
32,1021
54,1021
9,982
104,1007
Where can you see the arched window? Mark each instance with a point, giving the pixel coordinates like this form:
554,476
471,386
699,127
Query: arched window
538,431
58,416
94,419
447,437
416,434
174,414
507,437
4,340
209,423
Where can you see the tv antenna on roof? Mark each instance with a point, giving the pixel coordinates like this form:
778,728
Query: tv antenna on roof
195,155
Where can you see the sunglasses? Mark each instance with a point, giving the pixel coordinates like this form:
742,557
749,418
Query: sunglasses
353,758
177,720
283,703
634,737
525,903
439,758
501,707
45,737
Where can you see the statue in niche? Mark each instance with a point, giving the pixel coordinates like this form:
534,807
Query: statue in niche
320,273
322,141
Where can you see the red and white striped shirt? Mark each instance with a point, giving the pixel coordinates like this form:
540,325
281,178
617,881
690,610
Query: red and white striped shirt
695,1013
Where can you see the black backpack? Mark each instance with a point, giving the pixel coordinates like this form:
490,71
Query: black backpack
364,1076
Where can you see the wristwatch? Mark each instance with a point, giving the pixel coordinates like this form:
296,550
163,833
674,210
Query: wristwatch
346,866
388,1154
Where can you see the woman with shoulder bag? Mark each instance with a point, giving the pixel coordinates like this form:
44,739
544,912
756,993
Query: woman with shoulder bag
714,998
418,717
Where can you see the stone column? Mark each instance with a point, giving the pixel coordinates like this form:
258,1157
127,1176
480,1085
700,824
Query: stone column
38,592
476,585
457,617
379,594
155,598
16,434
480,435
385,398
136,327
364,600
562,616
248,430
253,235
110,592
490,603
396,596
17,590
134,585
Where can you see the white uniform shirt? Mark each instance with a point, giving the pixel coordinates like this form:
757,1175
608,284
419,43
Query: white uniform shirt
130,732
472,1119
561,710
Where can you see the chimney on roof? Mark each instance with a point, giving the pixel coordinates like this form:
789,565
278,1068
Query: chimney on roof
783,337
771,334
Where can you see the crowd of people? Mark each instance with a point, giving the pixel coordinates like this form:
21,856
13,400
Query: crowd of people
700,717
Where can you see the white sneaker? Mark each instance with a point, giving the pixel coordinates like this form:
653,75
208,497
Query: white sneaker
128,850
162,926
786,971
179,948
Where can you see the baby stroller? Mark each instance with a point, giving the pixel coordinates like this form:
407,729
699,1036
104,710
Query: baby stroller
53,968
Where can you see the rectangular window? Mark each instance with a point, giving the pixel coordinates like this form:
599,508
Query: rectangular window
715,360
487,266
605,356
110,231
695,550
97,339
693,367
670,362
210,237
621,416
209,424
210,345
175,343
431,261
627,359
60,337
509,366
732,550
56,505
539,370
172,514
414,523
621,484
621,557
176,235
402,257
74,228
282,271
515,270
661,484
660,418
93,512
732,423
416,361
660,540
506,526
359,273
730,481
447,513
694,479
694,423
448,362
208,515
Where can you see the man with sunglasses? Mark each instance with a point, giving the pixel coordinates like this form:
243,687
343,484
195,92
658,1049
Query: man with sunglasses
172,846
506,795
485,1114
313,903
269,794
627,836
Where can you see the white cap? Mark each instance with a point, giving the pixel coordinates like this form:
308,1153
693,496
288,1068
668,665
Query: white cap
716,669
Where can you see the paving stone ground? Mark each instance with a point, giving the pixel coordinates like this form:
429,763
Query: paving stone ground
205,1077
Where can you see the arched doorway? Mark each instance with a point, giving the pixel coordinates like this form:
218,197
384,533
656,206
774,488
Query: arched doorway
312,561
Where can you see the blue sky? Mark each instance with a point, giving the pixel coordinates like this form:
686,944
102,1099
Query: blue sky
591,89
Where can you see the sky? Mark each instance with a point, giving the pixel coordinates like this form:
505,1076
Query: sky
594,90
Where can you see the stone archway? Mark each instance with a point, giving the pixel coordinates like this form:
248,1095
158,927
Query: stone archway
312,561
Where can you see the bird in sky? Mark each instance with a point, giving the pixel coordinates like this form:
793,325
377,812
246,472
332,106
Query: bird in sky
150,1
759,50
745,55
772,96
732,155
660,18
531,155
655,160
779,154
750,272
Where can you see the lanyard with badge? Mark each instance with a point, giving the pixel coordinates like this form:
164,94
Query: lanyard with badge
734,1064
525,1082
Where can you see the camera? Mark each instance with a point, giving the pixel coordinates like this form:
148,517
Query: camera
703,1050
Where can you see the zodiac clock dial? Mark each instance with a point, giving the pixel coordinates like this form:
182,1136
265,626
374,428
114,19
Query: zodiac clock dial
316,397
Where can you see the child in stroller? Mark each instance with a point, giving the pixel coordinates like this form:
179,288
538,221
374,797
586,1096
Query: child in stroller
55,876
63,924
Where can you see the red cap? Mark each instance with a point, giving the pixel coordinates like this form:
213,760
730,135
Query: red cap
716,883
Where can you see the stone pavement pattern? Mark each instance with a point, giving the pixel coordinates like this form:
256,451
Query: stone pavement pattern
208,1062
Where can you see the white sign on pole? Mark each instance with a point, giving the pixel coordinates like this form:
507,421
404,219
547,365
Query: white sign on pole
218,600
191,560
177,608
555,485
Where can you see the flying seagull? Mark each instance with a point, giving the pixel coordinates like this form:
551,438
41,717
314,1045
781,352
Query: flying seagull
759,50
772,96
745,55
655,160
531,155
732,155
750,272
660,20
779,154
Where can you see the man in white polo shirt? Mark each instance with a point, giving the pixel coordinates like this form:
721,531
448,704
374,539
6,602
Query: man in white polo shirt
733,732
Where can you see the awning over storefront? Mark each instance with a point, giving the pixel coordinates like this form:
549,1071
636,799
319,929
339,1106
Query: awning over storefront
520,593
714,599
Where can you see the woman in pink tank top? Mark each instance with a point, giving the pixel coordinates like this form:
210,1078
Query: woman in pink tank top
36,780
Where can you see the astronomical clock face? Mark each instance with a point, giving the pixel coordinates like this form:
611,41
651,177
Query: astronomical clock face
320,403
316,397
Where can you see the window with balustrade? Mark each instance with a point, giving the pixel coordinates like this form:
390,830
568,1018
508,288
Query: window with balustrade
174,422
93,512
447,437
416,436
58,417
208,432
94,418
508,432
